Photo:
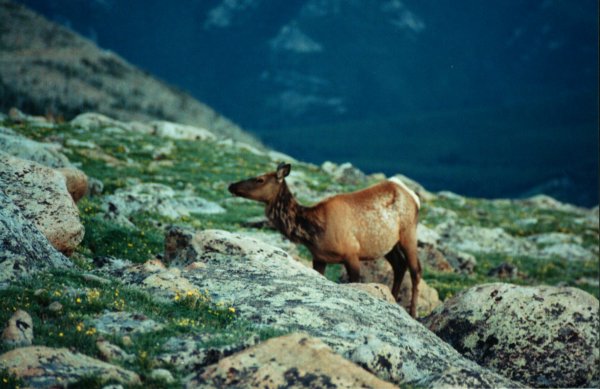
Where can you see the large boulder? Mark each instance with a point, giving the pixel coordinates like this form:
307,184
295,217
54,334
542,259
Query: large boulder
24,250
541,336
296,360
45,367
42,196
267,287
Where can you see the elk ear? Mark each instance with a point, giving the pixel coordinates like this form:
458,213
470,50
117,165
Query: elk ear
283,170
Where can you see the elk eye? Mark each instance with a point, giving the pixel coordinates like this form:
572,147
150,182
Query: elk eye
260,180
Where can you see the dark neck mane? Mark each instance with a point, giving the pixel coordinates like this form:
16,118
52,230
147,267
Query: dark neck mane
291,218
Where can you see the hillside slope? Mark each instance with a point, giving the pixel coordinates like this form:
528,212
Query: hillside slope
47,69
175,274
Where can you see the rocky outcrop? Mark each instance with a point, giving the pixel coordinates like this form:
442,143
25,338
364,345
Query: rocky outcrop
541,336
296,360
156,198
24,250
42,196
47,154
19,330
266,286
45,367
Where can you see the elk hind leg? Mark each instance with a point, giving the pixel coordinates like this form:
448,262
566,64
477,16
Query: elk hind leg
409,248
396,258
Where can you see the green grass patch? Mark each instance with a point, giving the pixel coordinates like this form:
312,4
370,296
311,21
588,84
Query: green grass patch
82,299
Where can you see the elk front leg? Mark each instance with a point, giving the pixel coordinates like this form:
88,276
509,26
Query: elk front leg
319,266
352,266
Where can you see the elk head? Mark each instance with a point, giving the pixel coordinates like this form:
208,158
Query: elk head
263,188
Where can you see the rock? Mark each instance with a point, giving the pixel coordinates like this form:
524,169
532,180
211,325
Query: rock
77,182
100,155
165,280
484,240
35,121
553,238
94,278
189,353
547,202
95,121
278,240
378,290
568,251
297,360
429,298
55,307
124,323
162,375
181,131
432,258
268,287
427,235
455,198
80,144
24,250
19,330
44,367
375,355
95,187
380,272
47,154
110,352
540,336
459,261
164,151
42,196
156,198
344,173
504,270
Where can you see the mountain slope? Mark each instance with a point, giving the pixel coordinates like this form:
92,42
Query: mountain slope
48,69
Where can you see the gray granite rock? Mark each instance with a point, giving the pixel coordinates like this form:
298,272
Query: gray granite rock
42,196
540,336
47,154
266,286
24,250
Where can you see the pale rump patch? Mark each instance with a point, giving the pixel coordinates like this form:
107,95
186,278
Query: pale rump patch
399,182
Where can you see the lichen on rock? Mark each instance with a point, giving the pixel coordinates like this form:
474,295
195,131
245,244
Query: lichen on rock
541,336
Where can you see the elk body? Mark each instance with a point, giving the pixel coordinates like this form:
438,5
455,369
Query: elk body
380,221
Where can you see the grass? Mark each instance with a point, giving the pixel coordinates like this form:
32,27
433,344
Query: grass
83,299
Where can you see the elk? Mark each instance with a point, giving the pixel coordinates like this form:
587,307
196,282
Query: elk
380,221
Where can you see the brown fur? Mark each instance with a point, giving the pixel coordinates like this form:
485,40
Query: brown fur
376,222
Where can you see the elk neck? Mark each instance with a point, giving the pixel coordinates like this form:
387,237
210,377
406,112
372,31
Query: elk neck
297,223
